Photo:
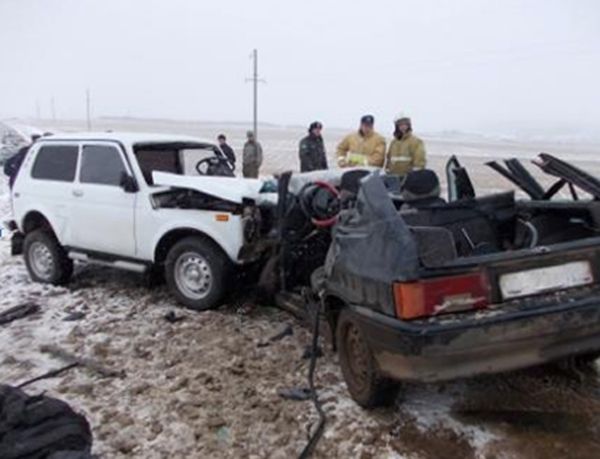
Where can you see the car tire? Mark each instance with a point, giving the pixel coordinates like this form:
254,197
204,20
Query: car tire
359,368
195,271
46,260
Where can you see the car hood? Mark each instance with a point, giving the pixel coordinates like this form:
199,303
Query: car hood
233,189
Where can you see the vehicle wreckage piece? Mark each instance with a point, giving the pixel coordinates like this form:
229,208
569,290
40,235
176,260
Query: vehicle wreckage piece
233,189
41,427
18,312
500,303
517,174
571,174
371,247
459,183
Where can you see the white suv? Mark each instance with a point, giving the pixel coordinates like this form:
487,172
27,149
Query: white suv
139,202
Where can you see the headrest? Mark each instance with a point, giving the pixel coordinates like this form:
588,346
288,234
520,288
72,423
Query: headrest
351,180
420,184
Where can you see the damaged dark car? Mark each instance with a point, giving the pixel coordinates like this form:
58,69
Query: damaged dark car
418,288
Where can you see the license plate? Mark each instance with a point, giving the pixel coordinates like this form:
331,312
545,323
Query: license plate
547,279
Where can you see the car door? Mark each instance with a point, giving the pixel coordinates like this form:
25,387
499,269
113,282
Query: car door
45,184
103,212
459,182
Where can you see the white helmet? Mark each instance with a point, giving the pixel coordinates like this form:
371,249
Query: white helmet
401,117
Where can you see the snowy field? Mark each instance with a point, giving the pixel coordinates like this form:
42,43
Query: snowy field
206,386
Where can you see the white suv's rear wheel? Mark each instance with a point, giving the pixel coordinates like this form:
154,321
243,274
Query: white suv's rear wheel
45,258
195,270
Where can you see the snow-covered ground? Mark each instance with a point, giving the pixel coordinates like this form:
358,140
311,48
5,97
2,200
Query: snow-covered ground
207,387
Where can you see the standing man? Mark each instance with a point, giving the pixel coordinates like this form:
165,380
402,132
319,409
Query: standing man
313,156
363,148
13,164
253,156
407,151
227,150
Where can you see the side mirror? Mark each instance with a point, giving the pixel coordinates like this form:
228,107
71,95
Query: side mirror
128,183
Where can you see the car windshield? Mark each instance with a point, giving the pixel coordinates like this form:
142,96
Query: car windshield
176,158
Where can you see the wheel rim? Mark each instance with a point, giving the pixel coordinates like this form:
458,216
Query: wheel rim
41,260
357,354
193,275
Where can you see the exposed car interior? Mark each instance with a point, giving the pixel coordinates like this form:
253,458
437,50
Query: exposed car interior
181,158
493,223
463,227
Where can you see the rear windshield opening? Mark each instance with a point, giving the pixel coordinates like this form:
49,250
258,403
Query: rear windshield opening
175,158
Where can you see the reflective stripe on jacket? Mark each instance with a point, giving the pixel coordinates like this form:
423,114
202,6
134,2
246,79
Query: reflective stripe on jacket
405,154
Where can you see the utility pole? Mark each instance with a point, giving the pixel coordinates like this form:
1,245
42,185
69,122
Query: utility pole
255,80
88,109
53,109
38,113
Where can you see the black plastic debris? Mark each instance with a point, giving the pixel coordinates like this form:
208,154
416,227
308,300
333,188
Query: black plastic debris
171,317
73,316
33,427
295,393
18,312
309,351
287,331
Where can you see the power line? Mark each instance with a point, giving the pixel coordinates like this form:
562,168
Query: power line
53,108
88,109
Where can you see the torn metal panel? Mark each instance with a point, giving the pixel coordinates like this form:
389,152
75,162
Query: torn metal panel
571,174
519,176
372,241
233,189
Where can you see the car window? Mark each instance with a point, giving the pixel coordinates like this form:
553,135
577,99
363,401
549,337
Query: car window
161,160
101,164
56,162
190,157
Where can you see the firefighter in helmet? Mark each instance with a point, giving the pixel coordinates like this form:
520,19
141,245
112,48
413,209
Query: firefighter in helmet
407,151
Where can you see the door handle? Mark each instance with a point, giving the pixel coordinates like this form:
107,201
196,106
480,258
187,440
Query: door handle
77,193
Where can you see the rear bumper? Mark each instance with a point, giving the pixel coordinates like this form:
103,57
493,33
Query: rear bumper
468,347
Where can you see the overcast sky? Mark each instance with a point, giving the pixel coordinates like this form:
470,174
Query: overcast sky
462,64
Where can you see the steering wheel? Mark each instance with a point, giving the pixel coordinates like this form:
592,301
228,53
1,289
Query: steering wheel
320,202
204,166
214,165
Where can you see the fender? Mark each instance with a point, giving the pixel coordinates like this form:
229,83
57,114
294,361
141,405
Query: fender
58,222
227,234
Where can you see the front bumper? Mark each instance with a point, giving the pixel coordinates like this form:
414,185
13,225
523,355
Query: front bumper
465,347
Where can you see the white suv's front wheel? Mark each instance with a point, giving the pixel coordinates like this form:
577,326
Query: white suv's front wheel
45,258
195,270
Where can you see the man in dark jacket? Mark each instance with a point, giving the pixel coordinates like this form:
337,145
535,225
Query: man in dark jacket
313,156
227,150
13,164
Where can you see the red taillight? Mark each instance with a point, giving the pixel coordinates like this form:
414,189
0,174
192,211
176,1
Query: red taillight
446,294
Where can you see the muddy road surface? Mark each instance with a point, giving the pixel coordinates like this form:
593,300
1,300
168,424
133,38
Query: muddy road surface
207,385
